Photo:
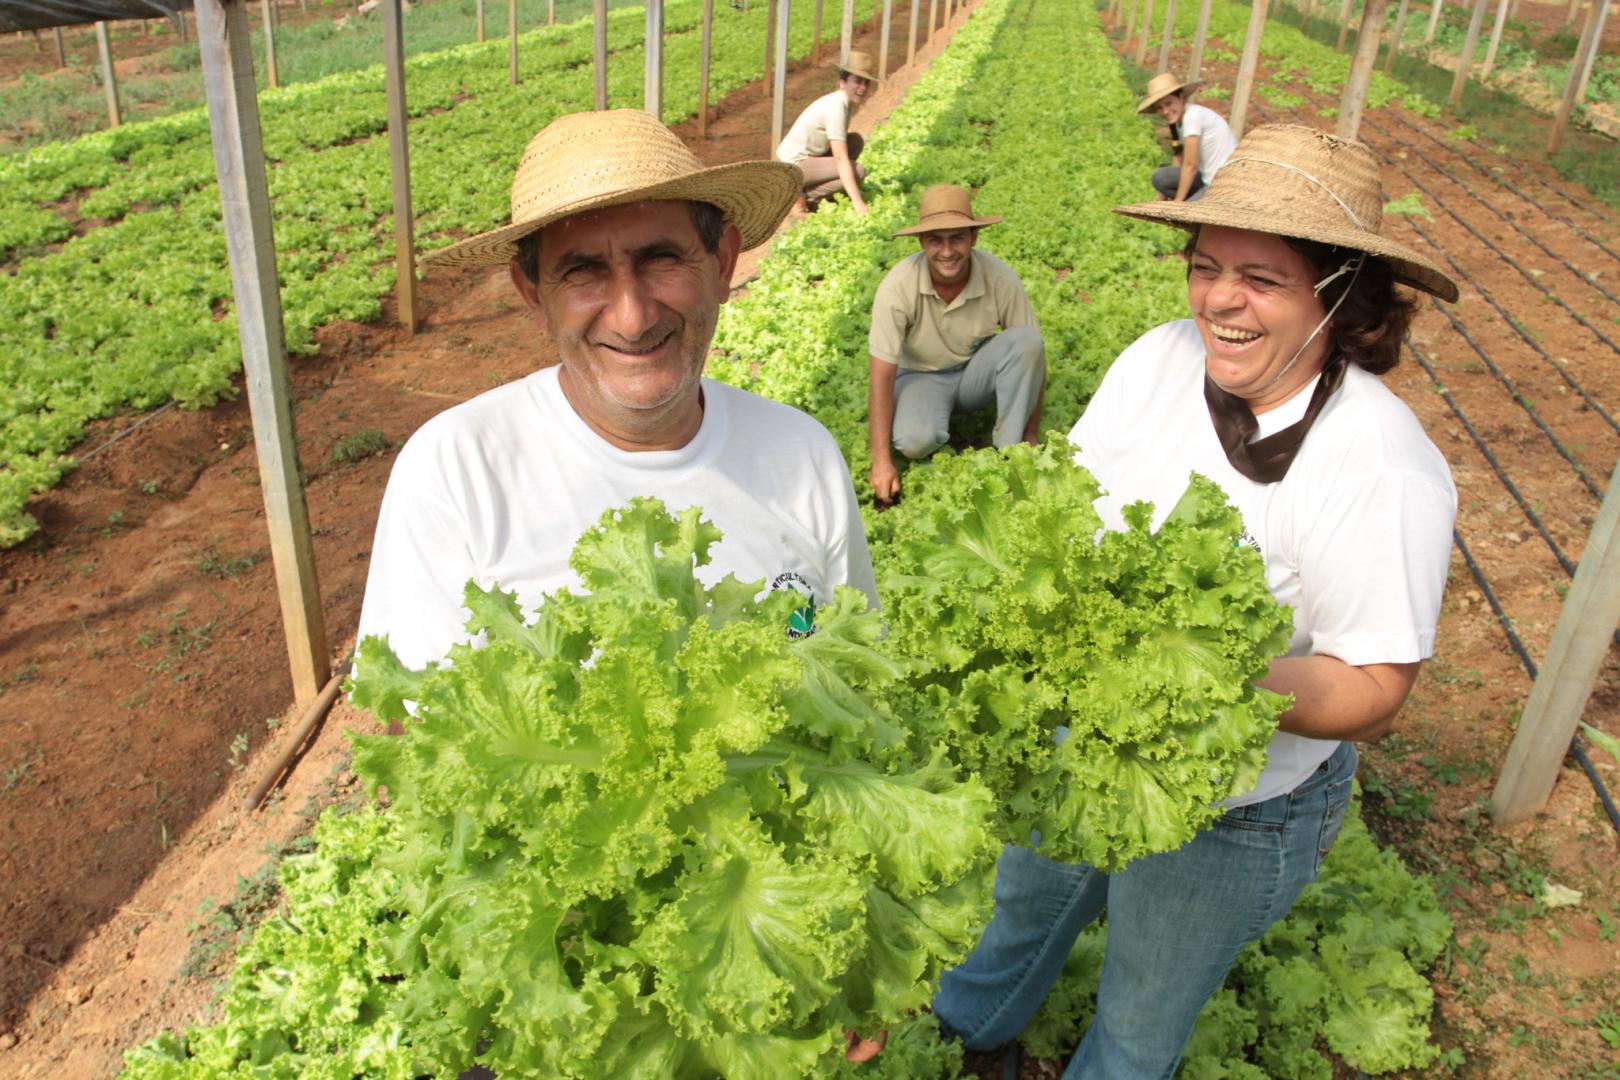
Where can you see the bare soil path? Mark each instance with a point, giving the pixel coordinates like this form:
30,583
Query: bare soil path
143,681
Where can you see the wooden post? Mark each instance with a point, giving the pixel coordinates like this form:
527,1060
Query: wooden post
1344,23
846,31
1395,40
933,10
883,40
1437,7
1130,29
233,120
784,22
1196,62
478,14
1354,102
39,42
399,165
1575,654
551,12
1169,32
270,72
511,41
1572,86
1569,16
108,78
652,82
181,15
61,47
1496,40
770,43
599,9
1244,86
911,35
1592,54
1146,30
1305,16
1466,59
815,44
703,68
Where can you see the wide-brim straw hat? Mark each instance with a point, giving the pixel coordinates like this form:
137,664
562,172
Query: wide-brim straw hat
1296,181
860,62
1162,86
945,206
590,160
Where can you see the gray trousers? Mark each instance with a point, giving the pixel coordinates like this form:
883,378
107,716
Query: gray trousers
821,173
1168,177
1009,369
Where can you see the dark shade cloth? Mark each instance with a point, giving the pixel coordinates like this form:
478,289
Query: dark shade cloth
1265,461
44,14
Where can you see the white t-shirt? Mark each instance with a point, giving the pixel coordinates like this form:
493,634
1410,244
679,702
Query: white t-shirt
499,488
1356,537
1215,141
824,120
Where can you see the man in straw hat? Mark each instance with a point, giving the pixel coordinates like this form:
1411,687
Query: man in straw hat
621,245
952,331
820,142
1200,138
1271,390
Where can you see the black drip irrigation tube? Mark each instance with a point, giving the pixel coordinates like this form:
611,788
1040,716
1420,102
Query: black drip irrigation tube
1576,747
1585,278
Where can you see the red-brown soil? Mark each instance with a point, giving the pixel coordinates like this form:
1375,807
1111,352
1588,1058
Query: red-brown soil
140,639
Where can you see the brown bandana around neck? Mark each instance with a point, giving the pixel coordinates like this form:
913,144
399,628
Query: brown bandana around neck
1266,461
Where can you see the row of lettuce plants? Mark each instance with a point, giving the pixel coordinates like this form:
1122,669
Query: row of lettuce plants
137,310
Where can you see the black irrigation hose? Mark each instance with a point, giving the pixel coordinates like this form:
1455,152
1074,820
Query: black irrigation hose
1530,410
1575,746
1497,178
1520,229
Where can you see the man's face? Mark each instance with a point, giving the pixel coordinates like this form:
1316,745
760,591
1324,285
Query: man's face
947,254
1171,108
855,87
630,297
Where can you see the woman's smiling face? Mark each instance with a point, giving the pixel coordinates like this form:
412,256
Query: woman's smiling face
1253,298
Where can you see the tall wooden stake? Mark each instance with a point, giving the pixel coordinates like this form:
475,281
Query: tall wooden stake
1580,641
108,78
911,36
933,11
1244,86
551,12
478,15
703,68
1496,40
1130,29
1354,101
846,32
1344,23
1395,39
770,43
784,23
511,41
1196,62
61,47
652,83
1569,16
271,73
233,119
883,40
815,47
1169,32
399,165
1466,60
599,49
1592,54
1572,85
1435,10
1146,32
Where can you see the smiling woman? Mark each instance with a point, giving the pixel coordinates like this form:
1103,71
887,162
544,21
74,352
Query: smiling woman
1271,390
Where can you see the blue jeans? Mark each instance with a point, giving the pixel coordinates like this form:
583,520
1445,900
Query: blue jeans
1176,922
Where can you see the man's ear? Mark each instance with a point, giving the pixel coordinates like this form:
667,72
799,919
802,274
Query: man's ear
730,247
528,290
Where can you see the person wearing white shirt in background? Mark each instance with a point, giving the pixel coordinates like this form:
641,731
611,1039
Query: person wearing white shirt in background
622,247
821,144
1200,138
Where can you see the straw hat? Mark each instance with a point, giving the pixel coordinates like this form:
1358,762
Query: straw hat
589,160
1162,86
860,62
1296,181
945,206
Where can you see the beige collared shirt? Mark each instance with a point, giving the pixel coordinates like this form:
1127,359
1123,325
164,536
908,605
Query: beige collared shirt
823,120
914,328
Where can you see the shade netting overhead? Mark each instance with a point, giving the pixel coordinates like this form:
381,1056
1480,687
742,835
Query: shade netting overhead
44,14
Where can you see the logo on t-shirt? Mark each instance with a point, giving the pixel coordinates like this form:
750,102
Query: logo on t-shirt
1245,537
802,620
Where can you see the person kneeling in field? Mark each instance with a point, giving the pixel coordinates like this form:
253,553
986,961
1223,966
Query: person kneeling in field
622,247
952,331
1199,138
821,144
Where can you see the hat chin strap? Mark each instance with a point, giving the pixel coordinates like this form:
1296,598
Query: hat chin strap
1353,268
